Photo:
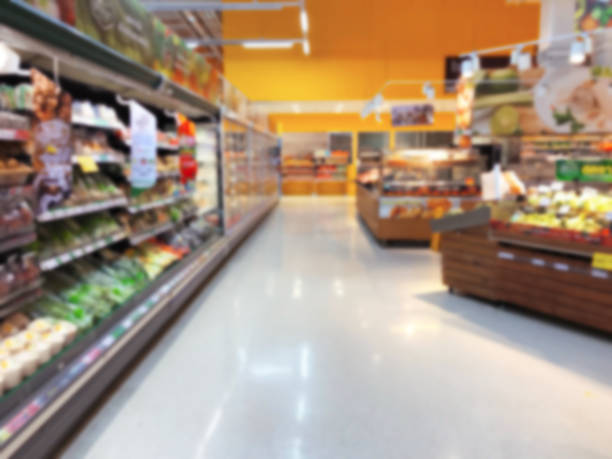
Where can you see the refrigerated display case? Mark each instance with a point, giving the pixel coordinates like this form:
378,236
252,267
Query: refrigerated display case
93,263
400,193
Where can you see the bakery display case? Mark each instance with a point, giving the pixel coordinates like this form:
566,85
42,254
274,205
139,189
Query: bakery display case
400,193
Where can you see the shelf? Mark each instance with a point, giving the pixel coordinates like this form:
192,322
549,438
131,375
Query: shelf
162,146
137,238
58,214
20,296
96,123
548,244
102,158
14,134
137,208
207,211
58,260
14,241
168,174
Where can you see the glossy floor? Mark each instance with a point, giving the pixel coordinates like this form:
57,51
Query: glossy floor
314,342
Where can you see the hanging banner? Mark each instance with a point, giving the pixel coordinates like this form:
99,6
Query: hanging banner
570,100
584,171
127,27
412,115
143,128
592,14
187,158
52,138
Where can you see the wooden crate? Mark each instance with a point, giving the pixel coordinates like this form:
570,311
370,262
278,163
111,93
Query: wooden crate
298,187
331,187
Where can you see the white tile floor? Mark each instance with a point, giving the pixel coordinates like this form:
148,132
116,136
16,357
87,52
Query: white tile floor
313,342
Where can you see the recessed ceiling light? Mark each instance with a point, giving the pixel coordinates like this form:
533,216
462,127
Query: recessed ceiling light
268,44
304,21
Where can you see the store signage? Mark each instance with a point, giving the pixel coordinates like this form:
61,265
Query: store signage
584,171
127,27
143,128
53,147
412,115
593,14
602,261
187,160
570,100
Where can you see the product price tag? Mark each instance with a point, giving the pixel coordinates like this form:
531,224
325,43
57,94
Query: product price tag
538,262
505,256
87,163
561,267
602,261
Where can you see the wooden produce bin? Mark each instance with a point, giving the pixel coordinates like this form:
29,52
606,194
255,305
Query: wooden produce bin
331,187
298,187
516,272
469,263
389,229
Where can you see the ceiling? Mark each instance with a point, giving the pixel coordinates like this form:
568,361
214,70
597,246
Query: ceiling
358,45
191,24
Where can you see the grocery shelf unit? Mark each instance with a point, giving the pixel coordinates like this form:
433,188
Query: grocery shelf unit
37,414
316,163
399,194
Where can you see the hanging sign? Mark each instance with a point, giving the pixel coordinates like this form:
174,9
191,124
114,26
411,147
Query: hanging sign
584,171
592,14
52,135
412,115
143,128
187,160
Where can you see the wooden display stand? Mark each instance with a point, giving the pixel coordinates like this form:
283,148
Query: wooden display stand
331,187
389,229
298,187
556,284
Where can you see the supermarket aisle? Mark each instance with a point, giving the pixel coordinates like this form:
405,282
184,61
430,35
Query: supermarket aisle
313,342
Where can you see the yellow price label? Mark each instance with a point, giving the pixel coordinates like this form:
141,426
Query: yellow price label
87,163
602,261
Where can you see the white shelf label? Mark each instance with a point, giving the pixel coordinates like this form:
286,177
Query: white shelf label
561,267
505,255
538,262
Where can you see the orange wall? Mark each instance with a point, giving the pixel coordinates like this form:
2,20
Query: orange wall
357,45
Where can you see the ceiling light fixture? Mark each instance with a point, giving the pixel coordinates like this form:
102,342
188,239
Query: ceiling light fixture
296,108
339,108
306,47
304,21
268,44
429,91
372,105
577,52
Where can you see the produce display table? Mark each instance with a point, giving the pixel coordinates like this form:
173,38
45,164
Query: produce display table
550,280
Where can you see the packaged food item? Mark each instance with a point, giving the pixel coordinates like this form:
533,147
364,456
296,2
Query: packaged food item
11,370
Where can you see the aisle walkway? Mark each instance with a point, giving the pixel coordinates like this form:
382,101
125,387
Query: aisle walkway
313,342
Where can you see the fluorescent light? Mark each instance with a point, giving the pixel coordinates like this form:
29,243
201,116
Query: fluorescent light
467,68
524,61
268,44
304,21
577,52
306,47
429,91
296,108
339,108
372,105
